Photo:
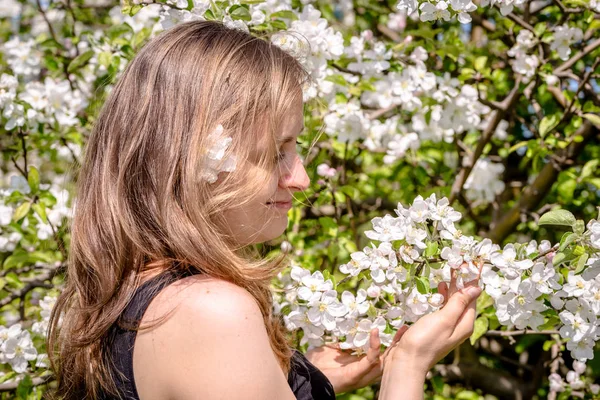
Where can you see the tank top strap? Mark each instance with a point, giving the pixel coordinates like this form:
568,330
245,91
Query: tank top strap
120,339
145,293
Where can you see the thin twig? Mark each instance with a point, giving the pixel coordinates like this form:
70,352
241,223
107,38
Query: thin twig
571,61
37,381
519,333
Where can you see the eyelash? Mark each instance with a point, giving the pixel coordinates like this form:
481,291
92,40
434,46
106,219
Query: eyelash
281,155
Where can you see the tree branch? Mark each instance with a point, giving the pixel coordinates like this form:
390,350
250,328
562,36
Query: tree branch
535,193
497,116
39,281
571,61
37,381
521,22
519,333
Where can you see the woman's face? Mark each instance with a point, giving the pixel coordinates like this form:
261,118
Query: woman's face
265,218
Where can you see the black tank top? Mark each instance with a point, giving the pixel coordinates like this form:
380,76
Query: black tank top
305,380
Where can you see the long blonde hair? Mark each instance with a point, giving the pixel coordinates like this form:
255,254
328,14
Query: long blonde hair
139,197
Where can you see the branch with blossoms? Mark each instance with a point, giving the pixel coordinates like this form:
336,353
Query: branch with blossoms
534,287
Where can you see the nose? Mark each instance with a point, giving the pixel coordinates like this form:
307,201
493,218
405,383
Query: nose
295,178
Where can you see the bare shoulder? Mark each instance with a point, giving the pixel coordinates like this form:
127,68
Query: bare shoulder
214,335
202,297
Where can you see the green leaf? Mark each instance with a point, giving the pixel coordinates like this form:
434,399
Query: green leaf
104,58
328,226
16,259
240,12
40,210
21,211
422,284
548,123
579,227
481,327
567,239
517,146
431,250
25,387
558,258
13,280
540,28
558,217
480,62
593,118
484,301
80,61
566,189
8,376
33,178
581,263
437,382
118,31
595,182
340,197
588,169
288,14
337,79
131,9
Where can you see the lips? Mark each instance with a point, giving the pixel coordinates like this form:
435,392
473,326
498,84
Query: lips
283,204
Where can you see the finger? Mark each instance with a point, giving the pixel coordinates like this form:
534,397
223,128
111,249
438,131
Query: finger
334,345
399,334
452,289
464,327
395,340
443,290
459,303
480,267
374,346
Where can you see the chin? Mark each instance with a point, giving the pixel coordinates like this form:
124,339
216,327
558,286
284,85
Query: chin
275,229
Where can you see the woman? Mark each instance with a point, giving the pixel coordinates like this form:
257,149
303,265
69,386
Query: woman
192,160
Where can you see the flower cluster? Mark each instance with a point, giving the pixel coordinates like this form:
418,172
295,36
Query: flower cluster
16,347
421,247
574,380
524,63
216,159
564,37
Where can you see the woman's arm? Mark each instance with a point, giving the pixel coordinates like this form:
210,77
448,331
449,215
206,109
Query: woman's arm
213,346
425,343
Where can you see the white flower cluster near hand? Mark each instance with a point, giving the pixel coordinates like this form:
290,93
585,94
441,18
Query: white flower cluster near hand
421,247
215,160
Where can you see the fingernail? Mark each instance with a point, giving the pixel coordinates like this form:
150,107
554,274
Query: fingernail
473,290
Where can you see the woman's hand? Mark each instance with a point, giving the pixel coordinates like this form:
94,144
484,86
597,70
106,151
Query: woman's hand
420,347
427,341
347,372
432,337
